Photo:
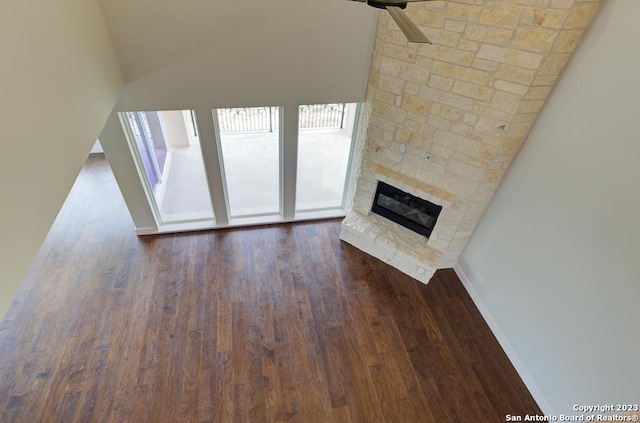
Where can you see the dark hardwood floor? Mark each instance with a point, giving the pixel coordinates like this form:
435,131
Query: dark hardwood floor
271,324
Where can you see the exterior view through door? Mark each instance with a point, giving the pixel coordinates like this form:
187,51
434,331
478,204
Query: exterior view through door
250,154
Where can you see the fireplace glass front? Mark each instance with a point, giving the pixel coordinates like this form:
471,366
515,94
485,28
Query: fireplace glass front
405,209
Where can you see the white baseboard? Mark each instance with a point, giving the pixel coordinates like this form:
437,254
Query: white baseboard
504,343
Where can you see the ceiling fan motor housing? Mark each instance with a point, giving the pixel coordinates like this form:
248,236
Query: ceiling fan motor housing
383,4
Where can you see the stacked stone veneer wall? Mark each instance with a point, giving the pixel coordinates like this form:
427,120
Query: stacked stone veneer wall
470,100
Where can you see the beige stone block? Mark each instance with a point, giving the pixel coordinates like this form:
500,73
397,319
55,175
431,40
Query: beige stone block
487,151
462,188
510,87
515,74
545,80
446,54
408,54
414,73
536,3
474,91
493,127
390,84
395,36
520,129
414,120
443,38
373,78
427,18
489,186
482,198
468,225
455,26
465,170
403,136
377,120
425,62
390,66
451,113
510,146
480,162
392,113
455,56
434,168
538,93
567,41
554,64
581,15
484,139
415,104
468,45
561,4
440,83
547,18
488,34
462,73
457,142
411,88
438,159
447,98
525,117
484,65
469,119
534,39
531,106
494,175
463,12
439,150
501,162
500,14
509,56
487,111
408,169
387,137
385,97
506,102
439,122
423,175
427,131
460,128
375,132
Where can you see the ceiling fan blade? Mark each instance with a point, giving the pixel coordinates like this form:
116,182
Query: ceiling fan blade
408,28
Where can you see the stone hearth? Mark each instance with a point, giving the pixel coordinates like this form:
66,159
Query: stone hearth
469,100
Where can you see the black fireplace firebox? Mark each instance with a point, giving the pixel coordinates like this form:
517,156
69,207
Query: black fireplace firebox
405,209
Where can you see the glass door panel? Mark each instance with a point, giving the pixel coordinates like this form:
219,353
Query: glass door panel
250,149
324,148
170,157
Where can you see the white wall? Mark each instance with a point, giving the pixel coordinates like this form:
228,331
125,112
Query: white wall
559,246
251,53
59,79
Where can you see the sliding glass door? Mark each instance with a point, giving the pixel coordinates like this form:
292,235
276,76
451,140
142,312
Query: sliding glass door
324,149
257,166
170,163
250,154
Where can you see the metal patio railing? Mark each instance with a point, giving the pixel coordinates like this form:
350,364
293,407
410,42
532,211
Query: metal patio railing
267,119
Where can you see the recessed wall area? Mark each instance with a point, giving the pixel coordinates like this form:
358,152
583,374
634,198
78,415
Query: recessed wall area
446,120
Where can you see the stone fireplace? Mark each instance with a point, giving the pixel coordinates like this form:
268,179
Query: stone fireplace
444,122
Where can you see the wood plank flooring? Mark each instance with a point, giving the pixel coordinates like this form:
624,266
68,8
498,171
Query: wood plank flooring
275,324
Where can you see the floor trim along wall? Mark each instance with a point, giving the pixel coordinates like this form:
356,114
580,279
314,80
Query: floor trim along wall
504,343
